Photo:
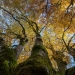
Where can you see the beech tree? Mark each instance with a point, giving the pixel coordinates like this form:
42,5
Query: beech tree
25,20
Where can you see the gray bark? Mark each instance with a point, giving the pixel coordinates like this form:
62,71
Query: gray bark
18,49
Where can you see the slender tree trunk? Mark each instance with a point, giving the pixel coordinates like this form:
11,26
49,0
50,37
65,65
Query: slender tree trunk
61,65
18,49
38,63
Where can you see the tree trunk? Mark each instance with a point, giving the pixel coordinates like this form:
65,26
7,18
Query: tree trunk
61,65
70,71
38,63
18,49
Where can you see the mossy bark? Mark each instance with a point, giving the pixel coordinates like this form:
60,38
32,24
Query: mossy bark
70,71
37,64
7,60
61,65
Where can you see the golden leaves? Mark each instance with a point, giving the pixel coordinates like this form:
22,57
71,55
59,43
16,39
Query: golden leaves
54,12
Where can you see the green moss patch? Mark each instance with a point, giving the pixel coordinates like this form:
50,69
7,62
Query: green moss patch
7,61
37,64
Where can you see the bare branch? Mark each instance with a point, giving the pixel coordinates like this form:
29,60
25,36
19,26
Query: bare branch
69,23
70,40
23,29
71,3
42,28
73,45
63,39
31,23
66,30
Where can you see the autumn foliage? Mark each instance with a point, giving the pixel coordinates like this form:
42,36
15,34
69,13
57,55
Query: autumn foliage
54,20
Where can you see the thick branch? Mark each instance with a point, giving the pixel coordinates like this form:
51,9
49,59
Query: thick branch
71,3
63,39
23,40
73,45
31,23
67,46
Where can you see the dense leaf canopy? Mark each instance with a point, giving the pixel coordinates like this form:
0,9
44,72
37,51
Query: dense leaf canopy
55,20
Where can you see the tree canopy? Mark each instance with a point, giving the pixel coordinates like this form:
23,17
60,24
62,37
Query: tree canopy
53,19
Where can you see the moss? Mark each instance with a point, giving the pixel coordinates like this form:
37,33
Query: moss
23,41
36,64
7,60
8,53
37,48
4,68
70,71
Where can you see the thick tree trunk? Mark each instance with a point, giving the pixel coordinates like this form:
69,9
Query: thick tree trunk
38,63
70,71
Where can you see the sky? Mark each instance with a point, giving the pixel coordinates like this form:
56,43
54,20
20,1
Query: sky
72,62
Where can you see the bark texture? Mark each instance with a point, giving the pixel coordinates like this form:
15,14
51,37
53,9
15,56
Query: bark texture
61,65
18,49
70,71
38,63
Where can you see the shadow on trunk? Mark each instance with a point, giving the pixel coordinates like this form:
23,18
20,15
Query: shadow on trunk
38,63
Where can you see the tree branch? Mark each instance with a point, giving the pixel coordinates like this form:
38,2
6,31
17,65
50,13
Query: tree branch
23,29
70,40
66,30
31,23
71,3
